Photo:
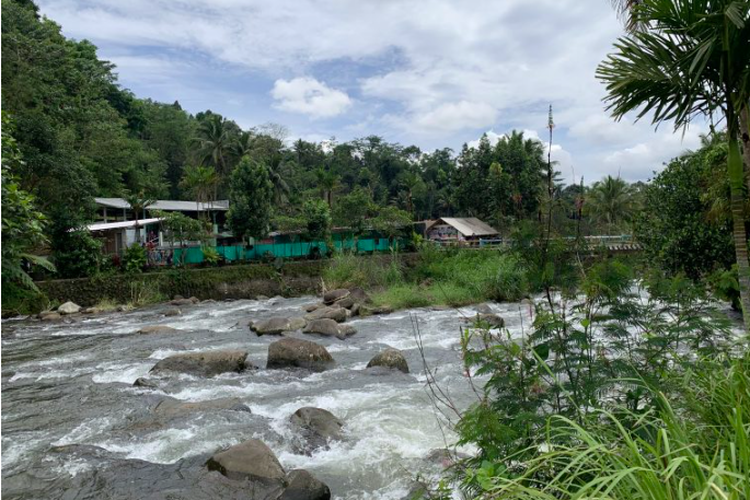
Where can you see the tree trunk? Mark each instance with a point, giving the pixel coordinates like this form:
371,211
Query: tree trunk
745,139
736,184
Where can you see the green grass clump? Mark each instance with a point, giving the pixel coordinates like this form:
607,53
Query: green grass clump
404,296
346,270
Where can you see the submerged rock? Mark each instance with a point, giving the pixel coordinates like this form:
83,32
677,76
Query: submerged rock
251,460
304,486
290,353
205,364
69,308
277,326
172,312
338,314
317,427
157,329
144,382
171,408
390,358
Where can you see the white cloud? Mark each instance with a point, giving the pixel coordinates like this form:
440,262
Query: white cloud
310,97
452,116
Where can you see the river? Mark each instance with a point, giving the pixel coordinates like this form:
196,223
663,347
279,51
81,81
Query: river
75,427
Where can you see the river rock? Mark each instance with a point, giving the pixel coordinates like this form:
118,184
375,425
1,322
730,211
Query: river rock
272,326
304,486
251,460
444,457
359,296
206,364
347,302
157,329
337,314
194,299
390,358
290,352
49,316
182,302
69,308
484,309
144,382
369,310
317,427
170,407
261,297
297,323
172,312
312,307
333,295
329,328
494,320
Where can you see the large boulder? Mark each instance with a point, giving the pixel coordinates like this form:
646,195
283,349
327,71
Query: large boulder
251,460
205,364
390,358
157,329
317,427
69,308
346,302
333,295
329,328
338,314
303,486
290,353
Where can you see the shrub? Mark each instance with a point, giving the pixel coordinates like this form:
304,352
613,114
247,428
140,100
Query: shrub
134,259
76,254
210,255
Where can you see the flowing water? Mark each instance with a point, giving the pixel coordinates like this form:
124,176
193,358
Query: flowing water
75,427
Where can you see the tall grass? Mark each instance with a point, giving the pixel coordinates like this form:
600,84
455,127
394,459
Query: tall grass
346,270
695,446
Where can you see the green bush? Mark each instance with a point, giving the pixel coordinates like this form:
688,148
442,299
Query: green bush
135,259
210,255
76,254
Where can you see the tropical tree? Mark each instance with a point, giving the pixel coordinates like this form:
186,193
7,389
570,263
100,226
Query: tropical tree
215,141
22,224
276,173
690,58
610,202
250,195
328,181
138,202
200,182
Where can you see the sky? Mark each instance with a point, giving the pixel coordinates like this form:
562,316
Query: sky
433,73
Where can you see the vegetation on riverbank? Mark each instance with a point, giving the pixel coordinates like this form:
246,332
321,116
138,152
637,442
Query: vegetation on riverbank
453,277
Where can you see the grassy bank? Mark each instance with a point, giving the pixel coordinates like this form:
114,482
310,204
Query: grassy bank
438,277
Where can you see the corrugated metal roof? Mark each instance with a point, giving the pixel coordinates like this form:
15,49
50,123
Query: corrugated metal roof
166,205
106,226
469,226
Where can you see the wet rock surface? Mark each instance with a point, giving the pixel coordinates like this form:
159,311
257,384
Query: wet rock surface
298,353
390,358
317,428
204,364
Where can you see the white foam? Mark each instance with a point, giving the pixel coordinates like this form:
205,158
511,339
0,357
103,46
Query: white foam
125,373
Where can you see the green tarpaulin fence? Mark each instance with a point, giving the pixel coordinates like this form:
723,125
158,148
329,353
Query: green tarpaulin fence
291,250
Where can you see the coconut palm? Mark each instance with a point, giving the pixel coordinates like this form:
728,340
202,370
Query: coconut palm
201,182
690,58
276,167
610,202
327,183
215,141
138,202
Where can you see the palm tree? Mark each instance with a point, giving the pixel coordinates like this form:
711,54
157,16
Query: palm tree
691,58
276,173
215,142
138,202
201,182
611,201
327,182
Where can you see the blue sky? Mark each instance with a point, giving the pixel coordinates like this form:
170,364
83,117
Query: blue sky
434,73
